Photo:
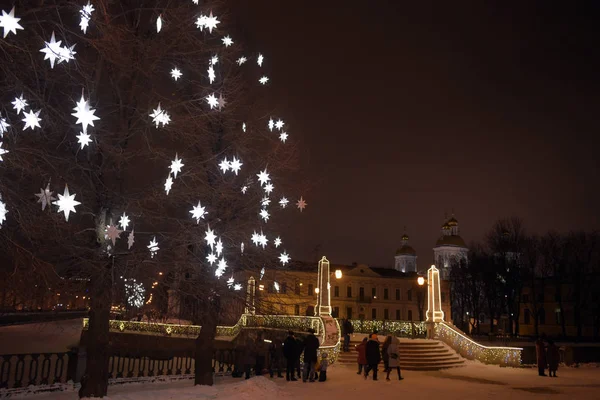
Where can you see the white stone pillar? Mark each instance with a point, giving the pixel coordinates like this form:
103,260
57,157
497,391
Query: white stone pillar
250,296
434,296
323,307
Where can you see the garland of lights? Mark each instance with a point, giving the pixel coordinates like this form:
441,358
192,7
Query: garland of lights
399,328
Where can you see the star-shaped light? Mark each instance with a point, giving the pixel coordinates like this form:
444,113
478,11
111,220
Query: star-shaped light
176,165
158,24
153,247
224,165
263,80
271,124
283,136
84,114
211,74
235,165
211,22
221,102
255,238
269,188
262,239
198,212
283,202
124,221
265,201
284,258
242,247
9,22
237,286
31,119
301,204
3,211
263,177
83,139
244,127
211,258
176,73
19,104
260,60
264,214
86,15
195,2
214,60
201,22
66,203
113,233
227,41
222,266
244,189
277,242
279,124
130,239
262,273
210,237
160,116
45,197
212,101
241,60
2,151
219,247
230,282
55,52
168,184
3,126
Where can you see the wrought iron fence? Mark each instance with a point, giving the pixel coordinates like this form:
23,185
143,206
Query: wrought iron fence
22,370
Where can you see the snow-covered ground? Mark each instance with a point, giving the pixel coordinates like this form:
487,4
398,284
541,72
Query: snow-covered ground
44,337
475,380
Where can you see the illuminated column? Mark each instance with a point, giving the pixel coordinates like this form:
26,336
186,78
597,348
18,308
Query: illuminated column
323,307
434,296
250,295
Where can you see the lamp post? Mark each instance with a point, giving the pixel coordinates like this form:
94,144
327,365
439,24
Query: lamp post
420,296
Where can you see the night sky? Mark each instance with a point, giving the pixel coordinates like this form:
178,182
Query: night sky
404,114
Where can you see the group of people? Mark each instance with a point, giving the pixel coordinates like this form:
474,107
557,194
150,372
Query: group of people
370,355
256,354
547,356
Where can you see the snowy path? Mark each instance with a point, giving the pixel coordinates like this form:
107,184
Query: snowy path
472,381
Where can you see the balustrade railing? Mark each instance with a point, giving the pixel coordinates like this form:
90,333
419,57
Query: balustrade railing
22,370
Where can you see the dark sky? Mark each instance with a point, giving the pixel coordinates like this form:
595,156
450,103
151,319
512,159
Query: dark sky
405,113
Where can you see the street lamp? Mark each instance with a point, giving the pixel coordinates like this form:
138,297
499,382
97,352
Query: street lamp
420,296
338,274
317,290
421,281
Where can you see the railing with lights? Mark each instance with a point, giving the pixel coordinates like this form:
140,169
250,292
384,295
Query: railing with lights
468,348
399,328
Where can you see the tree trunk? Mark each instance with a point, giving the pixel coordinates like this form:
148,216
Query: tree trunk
205,346
95,380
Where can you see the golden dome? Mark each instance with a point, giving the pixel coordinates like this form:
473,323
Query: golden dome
405,237
451,240
406,250
452,222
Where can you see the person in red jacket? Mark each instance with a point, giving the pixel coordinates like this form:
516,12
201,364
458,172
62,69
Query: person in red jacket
361,349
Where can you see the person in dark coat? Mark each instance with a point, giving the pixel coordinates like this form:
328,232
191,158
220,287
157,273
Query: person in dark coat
299,349
540,351
249,356
373,356
347,330
384,353
311,345
553,358
275,357
291,354
361,355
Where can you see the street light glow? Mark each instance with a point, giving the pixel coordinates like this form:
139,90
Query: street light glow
421,281
338,274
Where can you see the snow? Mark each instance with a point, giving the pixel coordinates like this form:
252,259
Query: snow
43,337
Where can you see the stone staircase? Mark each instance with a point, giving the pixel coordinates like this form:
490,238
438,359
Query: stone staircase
415,355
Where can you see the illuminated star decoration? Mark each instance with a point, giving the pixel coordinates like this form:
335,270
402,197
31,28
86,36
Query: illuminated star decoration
45,197
262,273
153,247
255,238
3,126
211,74
264,214
55,52
221,102
212,101
301,204
269,188
283,202
244,127
84,114
86,15
168,184
2,151
241,60
124,221
265,201
176,165
227,41
262,239
211,22
224,165
211,258
263,177
3,211
260,60
279,124
130,239
83,139
175,73
263,80
271,124
242,247
283,136
158,24
235,165
210,237
244,189
113,233
237,286
31,119
284,258
19,104
276,286
277,242
222,266
9,22
230,282
66,203
214,60
198,212
160,116
219,247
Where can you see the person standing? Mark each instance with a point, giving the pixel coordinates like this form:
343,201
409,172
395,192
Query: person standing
275,357
384,353
291,354
361,358
540,351
393,351
553,357
249,357
373,356
311,345
349,330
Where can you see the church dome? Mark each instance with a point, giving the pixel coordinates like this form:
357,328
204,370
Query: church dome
405,237
406,250
452,222
451,240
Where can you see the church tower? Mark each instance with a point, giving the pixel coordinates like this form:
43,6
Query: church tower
406,257
450,248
